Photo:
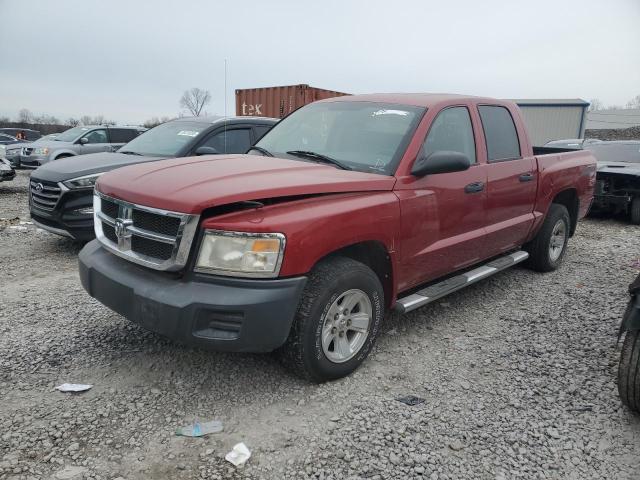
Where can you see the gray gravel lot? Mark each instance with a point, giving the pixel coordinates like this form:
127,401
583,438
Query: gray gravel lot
517,376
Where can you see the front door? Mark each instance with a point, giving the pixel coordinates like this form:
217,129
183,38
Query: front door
443,215
97,141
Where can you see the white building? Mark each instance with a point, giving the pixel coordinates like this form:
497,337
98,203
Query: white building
553,119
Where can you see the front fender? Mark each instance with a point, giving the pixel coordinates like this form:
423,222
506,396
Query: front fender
317,226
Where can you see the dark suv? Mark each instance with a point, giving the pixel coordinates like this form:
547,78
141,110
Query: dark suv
61,192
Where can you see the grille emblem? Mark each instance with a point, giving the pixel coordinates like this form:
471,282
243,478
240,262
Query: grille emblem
39,187
123,234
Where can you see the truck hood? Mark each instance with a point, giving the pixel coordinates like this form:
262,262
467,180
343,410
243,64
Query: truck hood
190,185
81,165
620,168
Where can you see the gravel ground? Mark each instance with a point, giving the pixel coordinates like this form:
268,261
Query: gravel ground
517,375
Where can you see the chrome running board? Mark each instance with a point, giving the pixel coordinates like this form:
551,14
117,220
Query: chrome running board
453,284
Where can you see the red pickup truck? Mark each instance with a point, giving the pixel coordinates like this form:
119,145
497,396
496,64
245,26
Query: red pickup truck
348,208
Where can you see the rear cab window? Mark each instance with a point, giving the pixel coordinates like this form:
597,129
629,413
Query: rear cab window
500,133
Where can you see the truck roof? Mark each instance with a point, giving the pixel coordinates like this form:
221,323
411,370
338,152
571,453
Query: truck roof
415,99
216,119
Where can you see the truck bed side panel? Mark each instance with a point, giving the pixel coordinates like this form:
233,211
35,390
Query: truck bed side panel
560,172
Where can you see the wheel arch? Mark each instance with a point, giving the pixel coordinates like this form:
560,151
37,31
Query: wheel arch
569,199
60,155
374,254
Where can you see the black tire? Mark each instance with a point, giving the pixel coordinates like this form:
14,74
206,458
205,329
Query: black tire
629,371
540,257
64,155
303,352
634,211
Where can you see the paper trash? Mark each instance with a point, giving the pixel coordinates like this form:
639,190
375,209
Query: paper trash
238,455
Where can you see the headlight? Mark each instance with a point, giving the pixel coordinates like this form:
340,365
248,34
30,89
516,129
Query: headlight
88,181
241,254
41,151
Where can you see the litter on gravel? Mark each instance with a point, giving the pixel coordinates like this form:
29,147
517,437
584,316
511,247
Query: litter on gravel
198,429
73,387
410,400
238,455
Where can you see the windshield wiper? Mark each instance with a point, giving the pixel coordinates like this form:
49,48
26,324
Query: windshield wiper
263,151
319,156
129,152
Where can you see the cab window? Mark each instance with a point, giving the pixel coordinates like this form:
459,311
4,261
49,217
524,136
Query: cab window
499,132
452,131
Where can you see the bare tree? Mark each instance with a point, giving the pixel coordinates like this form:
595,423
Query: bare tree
194,100
596,104
25,116
72,122
634,102
45,119
155,121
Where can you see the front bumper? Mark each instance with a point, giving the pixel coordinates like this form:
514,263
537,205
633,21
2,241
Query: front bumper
66,218
610,202
219,313
32,161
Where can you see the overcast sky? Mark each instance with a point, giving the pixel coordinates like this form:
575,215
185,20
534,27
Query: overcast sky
131,60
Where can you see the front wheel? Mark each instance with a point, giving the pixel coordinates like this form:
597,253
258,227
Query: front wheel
547,249
337,321
628,371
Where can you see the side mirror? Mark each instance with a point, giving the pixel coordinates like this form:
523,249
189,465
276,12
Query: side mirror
83,141
206,151
442,161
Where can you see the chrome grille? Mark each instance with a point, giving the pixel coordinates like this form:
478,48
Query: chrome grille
158,239
44,195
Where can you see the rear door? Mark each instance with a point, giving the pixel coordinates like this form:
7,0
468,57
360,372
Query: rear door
512,180
443,215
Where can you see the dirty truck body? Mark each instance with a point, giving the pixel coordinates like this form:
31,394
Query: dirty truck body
347,208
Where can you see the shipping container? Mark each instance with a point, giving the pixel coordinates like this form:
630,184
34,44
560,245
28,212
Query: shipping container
277,102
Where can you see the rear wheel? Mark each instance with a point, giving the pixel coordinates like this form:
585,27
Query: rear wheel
547,249
634,211
337,322
628,371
